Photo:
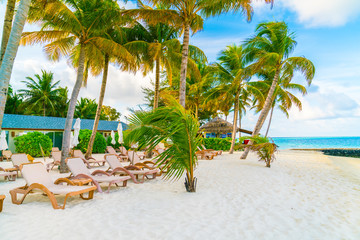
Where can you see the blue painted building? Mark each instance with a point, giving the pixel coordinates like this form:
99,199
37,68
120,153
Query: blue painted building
16,125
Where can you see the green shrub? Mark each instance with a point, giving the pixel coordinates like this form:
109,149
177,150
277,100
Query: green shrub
99,143
30,144
217,143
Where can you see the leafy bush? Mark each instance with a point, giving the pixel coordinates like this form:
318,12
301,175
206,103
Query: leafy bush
264,149
30,144
99,143
217,143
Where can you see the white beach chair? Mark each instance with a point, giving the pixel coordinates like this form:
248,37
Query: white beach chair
117,167
79,170
37,178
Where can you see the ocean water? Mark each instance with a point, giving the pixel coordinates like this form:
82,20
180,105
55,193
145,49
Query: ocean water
317,142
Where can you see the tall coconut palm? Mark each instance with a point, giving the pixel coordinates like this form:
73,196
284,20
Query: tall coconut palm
284,99
233,77
270,48
188,15
9,15
68,28
41,94
172,123
85,108
10,53
157,44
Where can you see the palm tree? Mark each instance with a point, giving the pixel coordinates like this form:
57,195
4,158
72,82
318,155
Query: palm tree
172,123
157,44
116,38
86,109
188,15
283,98
270,48
9,15
13,102
69,28
10,53
232,76
41,94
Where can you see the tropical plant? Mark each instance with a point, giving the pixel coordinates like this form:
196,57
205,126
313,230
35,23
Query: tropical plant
86,109
283,98
270,48
70,28
41,94
116,39
187,15
84,137
13,103
109,113
232,81
156,44
172,123
32,143
217,143
10,53
264,149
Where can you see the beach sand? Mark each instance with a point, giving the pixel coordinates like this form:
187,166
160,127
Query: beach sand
304,195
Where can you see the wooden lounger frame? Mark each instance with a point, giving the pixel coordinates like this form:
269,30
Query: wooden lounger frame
2,197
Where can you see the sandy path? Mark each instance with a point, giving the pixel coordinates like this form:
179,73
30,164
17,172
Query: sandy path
304,195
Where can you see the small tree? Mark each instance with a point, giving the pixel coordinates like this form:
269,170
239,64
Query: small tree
30,144
264,149
172,123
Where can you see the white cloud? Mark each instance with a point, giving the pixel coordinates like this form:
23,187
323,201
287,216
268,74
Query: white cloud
323,12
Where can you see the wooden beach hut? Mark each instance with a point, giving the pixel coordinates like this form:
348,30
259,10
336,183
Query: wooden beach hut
220,128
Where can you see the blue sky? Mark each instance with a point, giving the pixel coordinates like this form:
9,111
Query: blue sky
327,33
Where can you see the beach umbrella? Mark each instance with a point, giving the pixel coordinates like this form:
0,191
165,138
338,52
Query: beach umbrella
112,137
3,143
119,129
71,139
75,140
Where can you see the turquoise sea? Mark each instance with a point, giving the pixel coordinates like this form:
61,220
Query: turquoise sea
316,142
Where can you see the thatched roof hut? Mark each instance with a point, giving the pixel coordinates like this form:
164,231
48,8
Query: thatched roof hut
220,126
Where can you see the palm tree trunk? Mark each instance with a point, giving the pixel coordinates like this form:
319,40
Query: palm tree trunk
9,15
268,128
10,53
184,63
239,123
157,83
98,111
70,114
264,111
236,110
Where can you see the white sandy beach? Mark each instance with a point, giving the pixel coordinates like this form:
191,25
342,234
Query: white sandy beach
304,195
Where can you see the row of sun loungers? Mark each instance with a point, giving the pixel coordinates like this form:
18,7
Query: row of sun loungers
38,179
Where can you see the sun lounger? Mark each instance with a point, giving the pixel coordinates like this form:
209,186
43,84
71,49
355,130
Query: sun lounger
121,156
37,178
216,152
149,165
205,155
116,166
56,156
19,159
10,175
6,154
79,170
78,154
